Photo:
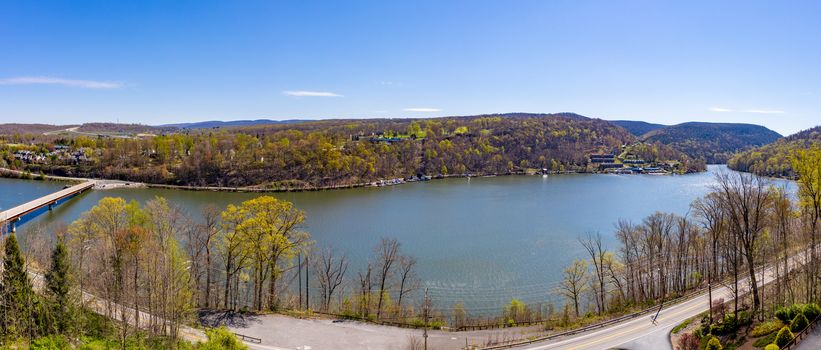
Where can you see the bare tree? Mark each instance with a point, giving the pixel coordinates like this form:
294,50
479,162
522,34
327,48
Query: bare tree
709,210
747,200
210,228
387,254
408,281
595,248
330,272
365,290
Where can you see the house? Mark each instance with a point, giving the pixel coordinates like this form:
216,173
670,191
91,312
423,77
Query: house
602,158
605,166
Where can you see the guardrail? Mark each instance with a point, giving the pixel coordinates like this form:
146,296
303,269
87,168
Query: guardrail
248,338
615,320
801,335
598,325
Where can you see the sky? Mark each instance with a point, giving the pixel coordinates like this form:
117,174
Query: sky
158,62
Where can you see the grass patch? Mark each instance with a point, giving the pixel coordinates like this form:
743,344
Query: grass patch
765,340
681,326
765,328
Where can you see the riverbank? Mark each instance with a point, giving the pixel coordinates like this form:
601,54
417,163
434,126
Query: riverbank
99,184
110,184
456,224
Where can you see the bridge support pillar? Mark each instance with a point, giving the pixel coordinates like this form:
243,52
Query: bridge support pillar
50,206
13,224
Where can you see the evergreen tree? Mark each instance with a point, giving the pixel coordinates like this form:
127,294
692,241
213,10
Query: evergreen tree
58,287
16,291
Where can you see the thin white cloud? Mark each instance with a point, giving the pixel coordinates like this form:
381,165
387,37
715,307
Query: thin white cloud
85,84
758,111
311,94
422,109
764,111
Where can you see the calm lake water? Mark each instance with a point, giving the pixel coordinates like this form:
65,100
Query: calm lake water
480,241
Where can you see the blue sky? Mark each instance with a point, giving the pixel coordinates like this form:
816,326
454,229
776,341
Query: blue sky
158,62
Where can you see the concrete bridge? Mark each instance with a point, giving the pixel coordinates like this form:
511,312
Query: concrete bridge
13,215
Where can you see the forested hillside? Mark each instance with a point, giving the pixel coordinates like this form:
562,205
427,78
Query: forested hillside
339,152
636,127
775,159
223,124
713,142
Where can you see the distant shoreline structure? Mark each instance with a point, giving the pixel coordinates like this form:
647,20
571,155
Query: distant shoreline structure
111,184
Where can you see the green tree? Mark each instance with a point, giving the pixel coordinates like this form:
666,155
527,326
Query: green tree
575,282
807,165
713,344
221,339
16,292
58,286
799,323
271,238
784,337
515,311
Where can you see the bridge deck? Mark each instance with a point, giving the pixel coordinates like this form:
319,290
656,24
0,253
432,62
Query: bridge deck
23,209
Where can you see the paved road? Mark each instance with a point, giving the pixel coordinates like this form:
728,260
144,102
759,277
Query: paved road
321,334
281,332
640,333
812,341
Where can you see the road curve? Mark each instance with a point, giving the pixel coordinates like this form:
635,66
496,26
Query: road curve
632,334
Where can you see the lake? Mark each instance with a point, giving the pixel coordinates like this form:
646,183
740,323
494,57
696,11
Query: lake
481,241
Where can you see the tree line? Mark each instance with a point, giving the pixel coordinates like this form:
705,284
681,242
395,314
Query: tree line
742,226
156,265
342,152
779,158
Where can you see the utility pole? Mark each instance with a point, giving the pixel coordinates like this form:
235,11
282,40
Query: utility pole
426,312
299,279
710,292
307,271
654,318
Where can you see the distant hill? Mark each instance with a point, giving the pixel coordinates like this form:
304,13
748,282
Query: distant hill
521,115
222,124
15,128
347,152
636,127
121,129
774,159
713,142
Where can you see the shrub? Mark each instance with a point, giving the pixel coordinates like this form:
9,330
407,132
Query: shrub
713,344
787,314
784,337
765,328
744,318
221,339
681,326
812,311
688,341
719,308
54,342
799,323
729,325
772,347
763,341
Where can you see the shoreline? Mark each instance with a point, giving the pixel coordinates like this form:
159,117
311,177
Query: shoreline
111,183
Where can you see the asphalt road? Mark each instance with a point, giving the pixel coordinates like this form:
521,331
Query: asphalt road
641,333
